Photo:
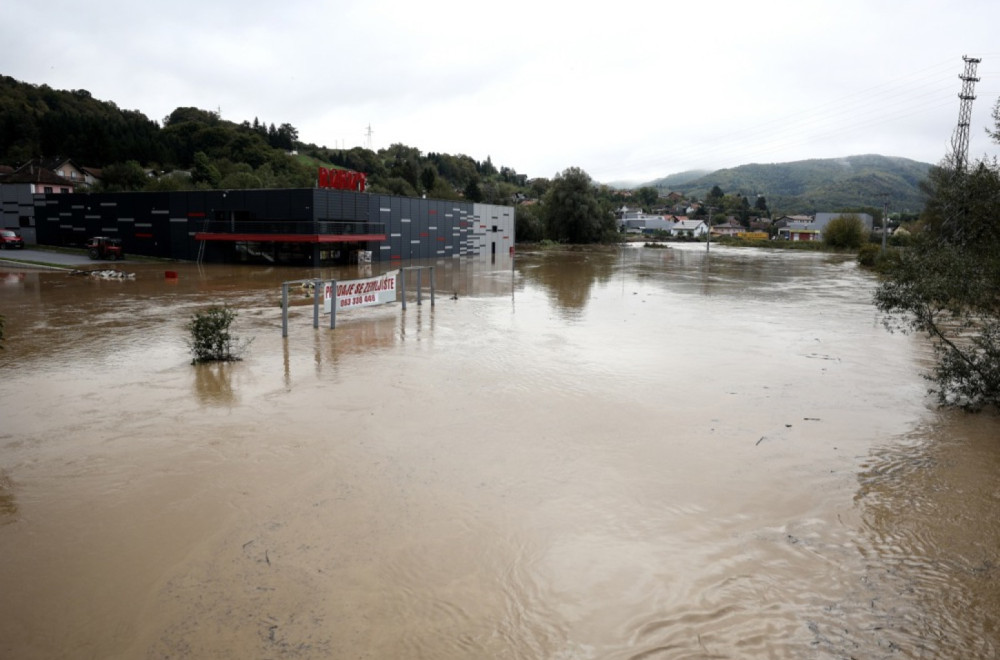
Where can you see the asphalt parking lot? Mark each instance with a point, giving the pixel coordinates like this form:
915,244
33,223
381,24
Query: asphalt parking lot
29,257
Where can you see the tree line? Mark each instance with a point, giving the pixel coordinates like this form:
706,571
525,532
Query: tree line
192,149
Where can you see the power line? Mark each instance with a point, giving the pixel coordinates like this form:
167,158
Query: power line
912,95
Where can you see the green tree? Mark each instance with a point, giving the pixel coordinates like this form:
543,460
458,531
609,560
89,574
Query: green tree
487,168
395,185
529,223
945,284
538,187
573,212
240,177
473,193
119,177
845,231
210,338
428,177
205,172
648,196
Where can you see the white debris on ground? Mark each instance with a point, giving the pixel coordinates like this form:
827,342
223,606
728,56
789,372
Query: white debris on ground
106,274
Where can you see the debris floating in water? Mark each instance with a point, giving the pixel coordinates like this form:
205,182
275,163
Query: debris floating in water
106,274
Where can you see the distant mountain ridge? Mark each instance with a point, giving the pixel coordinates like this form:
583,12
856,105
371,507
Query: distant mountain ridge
816,185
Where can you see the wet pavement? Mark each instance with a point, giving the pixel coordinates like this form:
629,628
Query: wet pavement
42,257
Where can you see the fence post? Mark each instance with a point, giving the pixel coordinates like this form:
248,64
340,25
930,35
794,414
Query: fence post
284,309
333,304
317,284
402,279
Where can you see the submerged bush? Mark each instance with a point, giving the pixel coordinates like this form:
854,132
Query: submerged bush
211,340
845,231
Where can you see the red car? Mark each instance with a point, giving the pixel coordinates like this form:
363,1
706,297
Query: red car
10,240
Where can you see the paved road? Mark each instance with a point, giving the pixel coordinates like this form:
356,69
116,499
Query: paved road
42,258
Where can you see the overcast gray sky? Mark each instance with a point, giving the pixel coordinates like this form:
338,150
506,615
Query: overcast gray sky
624,89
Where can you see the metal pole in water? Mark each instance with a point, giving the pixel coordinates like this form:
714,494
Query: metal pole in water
317,284
708,242
284,309
402,287
333,304
419,287
432,286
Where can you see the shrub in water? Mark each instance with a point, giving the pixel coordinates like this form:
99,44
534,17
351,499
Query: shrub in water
211,340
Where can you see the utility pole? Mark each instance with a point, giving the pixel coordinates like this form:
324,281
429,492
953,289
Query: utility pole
708,242
960,140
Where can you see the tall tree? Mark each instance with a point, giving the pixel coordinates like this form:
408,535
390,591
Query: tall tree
573,212
945,284
715,196
648,196
428,178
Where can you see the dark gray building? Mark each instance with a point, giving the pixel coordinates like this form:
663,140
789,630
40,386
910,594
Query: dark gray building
304,226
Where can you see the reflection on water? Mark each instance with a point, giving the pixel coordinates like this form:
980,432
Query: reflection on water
8,503
627,453
213,383
569,279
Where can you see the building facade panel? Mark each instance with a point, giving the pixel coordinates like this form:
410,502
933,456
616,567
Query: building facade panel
308,226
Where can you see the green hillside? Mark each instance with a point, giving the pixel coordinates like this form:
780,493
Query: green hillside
810,186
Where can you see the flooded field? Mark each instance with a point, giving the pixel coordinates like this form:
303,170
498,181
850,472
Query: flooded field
628,454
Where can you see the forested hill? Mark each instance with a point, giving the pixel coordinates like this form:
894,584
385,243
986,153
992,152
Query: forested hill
809,186
197,148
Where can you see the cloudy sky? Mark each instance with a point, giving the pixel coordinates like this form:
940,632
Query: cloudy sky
624,89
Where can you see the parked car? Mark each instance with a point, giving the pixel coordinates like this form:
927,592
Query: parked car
10,240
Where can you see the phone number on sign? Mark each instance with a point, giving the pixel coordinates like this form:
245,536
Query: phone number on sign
357,300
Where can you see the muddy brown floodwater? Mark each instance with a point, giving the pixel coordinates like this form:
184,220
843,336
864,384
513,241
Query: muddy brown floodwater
628,453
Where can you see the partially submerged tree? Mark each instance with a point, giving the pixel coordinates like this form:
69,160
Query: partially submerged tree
946,285
211,340
573,211
845,231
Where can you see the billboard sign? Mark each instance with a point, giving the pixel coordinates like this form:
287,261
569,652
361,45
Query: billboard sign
342,179
361,293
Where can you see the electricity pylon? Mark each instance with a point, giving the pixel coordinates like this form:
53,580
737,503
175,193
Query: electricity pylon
960,140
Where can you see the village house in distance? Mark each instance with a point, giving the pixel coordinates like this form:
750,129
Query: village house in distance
678,223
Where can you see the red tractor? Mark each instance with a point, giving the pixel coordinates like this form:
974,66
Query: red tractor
102,247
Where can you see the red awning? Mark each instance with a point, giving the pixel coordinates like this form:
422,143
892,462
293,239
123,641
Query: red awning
290,238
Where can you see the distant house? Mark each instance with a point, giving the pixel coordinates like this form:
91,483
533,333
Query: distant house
799,231
67,168
807,228
39,179
17,190
634,221
688,228
785,220
728,228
